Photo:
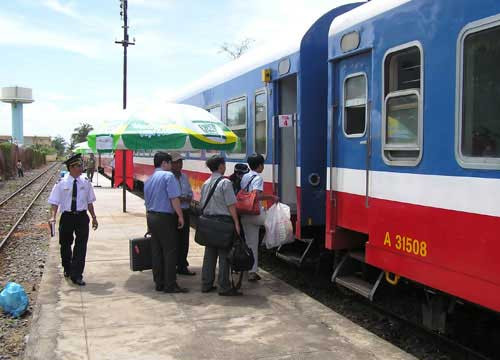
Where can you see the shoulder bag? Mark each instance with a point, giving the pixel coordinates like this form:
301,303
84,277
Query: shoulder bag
246,201
214,230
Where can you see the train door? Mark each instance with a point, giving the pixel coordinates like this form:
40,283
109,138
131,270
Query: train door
352,141
287,88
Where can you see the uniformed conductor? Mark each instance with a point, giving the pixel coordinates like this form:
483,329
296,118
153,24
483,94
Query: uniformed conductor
164,217
73,195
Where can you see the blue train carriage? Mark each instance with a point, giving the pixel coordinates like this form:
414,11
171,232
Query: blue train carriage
250,95
414,148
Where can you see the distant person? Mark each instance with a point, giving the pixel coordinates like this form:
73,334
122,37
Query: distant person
239,171
91,167
19,167
251,223
73,195
185,198
165,219
223,205
113,171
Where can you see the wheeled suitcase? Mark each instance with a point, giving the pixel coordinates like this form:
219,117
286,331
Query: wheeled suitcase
140,253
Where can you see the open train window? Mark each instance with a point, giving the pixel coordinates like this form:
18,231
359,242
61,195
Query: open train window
355,105
236,120
215,110
402,108
479,86
260,127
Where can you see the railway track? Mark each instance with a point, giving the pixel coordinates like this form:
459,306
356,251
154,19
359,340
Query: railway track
386,322
14,208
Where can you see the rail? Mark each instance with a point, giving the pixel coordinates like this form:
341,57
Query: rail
27,184
37,195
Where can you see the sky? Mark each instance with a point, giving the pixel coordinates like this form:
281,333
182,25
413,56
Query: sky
64,50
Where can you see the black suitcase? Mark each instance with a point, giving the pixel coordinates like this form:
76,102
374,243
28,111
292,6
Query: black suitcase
140,253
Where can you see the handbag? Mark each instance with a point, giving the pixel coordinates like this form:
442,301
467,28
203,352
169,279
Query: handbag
241,259
246,201
240,256
214,230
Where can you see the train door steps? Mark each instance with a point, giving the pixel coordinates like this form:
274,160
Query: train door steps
297,252
353,273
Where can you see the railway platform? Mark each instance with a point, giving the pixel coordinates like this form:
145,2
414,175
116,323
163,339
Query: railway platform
119,315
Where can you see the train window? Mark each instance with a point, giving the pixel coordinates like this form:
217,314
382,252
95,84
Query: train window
236,120
260,130
480,90
355,105
217,112
402,110
402,70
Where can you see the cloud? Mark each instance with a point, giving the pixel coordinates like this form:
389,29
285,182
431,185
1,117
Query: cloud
153,4
66,9
29,35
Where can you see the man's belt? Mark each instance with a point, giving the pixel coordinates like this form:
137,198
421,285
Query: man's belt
75,212
160,213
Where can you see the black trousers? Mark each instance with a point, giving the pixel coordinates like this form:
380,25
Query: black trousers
73,260
164,243
183,247
112,177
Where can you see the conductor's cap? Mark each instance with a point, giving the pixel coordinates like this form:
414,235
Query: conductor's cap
75,159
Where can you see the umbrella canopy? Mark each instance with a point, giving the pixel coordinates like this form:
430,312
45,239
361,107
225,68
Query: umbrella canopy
169,127
82,148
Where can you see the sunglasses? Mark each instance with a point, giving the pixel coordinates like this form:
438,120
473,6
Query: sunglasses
76,165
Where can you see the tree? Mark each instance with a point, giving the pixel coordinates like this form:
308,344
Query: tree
235,50
59,144
80,133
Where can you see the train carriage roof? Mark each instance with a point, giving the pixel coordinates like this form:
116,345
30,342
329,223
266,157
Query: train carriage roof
250,61
362,13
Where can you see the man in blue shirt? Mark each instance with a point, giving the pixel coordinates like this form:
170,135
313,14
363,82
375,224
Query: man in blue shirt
186,197
165,218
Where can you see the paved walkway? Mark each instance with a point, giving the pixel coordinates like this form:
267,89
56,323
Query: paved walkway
119,315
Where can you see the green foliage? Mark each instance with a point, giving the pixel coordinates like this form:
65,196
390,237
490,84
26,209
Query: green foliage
59,143
6,149
80,134
44,149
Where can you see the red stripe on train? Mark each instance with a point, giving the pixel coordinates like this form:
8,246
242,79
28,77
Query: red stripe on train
453,251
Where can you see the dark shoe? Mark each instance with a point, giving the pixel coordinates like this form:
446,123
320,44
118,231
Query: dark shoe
231,292
185,271
212,288
176,289
253,277
78,282
159,287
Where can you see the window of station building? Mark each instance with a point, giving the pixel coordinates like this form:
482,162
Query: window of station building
402,110
236,120
260,131
216,111
355,105
479,122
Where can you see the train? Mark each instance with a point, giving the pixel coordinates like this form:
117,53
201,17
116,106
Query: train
380,128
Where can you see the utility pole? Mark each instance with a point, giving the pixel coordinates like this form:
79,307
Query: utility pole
125,43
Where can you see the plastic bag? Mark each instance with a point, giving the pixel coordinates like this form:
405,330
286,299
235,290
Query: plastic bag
13,299
279,229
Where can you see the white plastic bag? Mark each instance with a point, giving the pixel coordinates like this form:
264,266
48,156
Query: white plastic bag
279,229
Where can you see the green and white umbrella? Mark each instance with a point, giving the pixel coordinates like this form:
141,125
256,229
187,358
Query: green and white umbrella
168,127
82,148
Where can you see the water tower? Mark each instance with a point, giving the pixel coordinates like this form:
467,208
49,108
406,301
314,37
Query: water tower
17,96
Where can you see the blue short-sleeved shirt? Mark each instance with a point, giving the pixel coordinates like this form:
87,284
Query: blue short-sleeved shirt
186,190
159,189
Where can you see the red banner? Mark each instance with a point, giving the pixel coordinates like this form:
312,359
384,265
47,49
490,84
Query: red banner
129,168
